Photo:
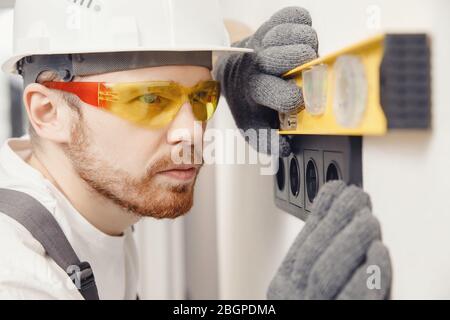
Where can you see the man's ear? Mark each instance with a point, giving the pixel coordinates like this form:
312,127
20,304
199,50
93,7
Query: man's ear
49,116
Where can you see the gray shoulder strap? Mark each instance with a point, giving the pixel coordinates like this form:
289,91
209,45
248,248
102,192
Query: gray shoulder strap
42,225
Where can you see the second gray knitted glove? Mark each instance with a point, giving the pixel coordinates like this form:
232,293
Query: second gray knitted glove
252,83
336,251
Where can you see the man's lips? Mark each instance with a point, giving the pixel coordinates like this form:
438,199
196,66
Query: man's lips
181,172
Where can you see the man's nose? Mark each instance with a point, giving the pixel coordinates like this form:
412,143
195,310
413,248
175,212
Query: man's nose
184,128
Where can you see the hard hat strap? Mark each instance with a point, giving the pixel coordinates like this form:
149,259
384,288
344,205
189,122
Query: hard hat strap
70,65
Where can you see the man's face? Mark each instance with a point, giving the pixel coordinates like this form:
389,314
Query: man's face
132,165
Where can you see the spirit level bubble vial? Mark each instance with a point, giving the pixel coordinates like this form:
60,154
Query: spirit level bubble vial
365,89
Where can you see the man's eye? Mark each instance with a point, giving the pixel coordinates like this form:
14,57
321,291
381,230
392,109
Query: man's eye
150,98
202,94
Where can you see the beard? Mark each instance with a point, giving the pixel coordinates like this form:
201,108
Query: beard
143,196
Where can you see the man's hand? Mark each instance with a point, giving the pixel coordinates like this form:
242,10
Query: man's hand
338,254
252,83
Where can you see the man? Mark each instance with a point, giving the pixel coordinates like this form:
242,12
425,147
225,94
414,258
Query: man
99,169
110,94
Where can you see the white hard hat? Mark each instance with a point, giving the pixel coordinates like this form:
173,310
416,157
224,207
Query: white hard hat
50,27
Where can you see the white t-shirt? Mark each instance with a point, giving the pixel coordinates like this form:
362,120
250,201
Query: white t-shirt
25,270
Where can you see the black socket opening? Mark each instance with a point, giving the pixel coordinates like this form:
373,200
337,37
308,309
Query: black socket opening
294,174
333,172
312,180
280,174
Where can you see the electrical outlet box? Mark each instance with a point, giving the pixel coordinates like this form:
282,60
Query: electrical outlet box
314,161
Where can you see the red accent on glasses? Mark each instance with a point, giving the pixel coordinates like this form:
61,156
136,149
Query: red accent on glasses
86,91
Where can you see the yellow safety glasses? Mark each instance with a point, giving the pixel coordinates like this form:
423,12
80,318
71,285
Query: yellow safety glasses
152,104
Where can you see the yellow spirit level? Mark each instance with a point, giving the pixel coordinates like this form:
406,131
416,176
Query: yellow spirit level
365,89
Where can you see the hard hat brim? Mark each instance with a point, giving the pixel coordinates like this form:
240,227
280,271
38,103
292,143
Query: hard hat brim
10,65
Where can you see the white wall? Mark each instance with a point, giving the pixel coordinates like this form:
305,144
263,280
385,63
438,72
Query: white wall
253,235
406,173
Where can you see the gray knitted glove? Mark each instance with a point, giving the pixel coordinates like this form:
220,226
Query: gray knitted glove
336,252
252,83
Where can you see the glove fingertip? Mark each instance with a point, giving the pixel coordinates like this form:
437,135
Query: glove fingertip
291,34
279,59
354,198
326,196
275,93
292,14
